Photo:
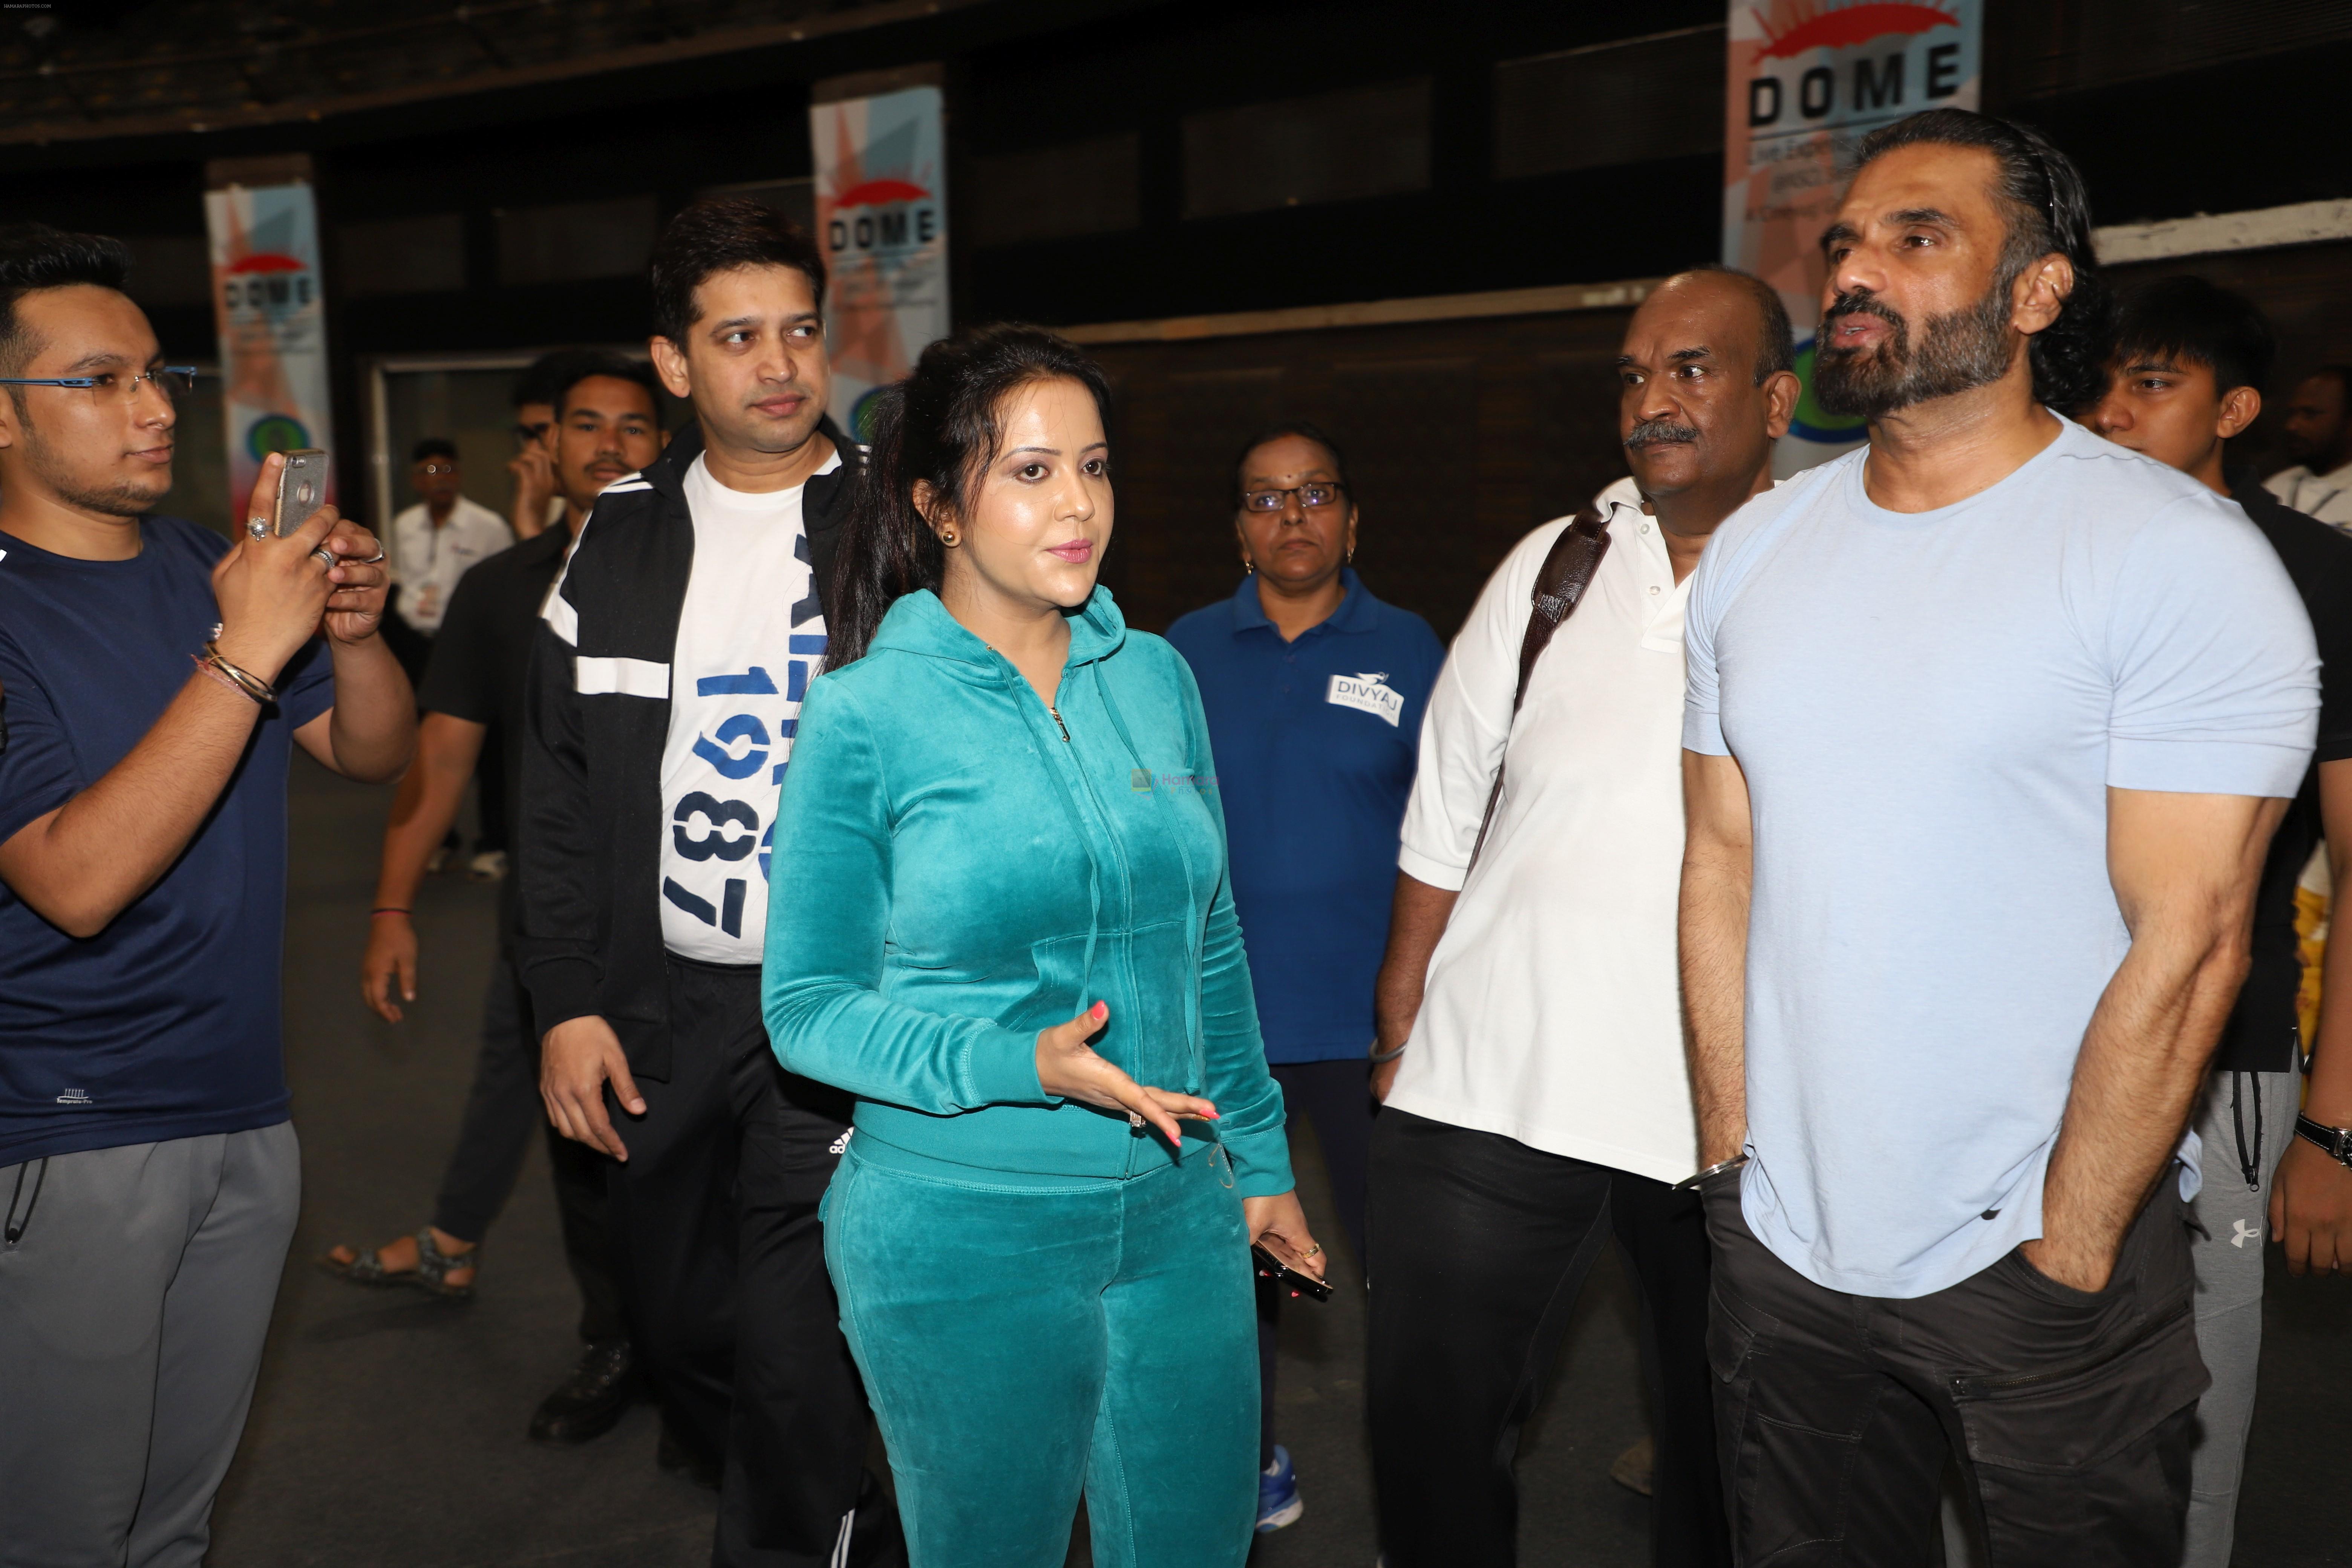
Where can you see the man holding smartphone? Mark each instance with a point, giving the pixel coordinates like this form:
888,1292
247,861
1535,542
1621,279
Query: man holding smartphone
149,1173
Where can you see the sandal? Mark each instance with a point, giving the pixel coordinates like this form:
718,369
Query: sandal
431,1273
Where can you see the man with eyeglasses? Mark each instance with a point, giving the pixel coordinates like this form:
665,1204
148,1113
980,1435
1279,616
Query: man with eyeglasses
433,543
1536,1102
148,1177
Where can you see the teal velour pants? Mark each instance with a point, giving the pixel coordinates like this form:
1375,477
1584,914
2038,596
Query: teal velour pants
1021,1343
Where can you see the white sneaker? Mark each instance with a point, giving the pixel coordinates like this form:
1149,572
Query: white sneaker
489,866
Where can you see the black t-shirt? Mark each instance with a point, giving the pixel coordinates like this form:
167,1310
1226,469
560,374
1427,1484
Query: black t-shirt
482,658
2261,1034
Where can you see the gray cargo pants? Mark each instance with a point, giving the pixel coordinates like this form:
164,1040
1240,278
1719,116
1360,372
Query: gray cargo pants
135,1288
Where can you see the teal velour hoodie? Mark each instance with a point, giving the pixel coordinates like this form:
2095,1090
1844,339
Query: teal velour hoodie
950,875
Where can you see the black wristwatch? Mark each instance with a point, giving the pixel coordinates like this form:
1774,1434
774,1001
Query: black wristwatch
2335,1140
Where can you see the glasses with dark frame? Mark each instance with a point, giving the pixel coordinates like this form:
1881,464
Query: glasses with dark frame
173,380
1312,495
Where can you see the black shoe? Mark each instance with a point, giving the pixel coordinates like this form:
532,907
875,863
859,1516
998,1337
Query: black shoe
587,1404
673,1456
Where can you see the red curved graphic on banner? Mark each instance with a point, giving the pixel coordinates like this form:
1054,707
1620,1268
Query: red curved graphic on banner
880,193
265,261
1849,25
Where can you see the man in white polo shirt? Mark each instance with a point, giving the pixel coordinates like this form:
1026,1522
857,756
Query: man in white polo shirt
1535,1096
1989,725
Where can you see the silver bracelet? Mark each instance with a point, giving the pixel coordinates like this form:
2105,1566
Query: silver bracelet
1377,1058
1691,1183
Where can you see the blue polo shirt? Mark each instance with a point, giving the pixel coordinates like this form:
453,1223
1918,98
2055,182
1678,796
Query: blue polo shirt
1315,743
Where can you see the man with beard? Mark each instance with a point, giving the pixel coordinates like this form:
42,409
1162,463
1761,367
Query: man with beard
1529,1051
605,428
2317,434
1989,725
664,687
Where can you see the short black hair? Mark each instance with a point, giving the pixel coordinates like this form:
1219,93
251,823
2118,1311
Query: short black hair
1306,430
433,446
718,234
549,373
2187,317
2049,211
34,256
1775,343
589,363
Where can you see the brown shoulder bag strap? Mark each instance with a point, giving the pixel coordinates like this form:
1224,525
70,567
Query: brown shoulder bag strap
1559,587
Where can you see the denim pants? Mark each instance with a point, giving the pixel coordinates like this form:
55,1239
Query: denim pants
1021,1343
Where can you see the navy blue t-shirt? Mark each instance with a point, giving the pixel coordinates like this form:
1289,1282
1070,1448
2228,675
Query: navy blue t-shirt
165,1025
1316,742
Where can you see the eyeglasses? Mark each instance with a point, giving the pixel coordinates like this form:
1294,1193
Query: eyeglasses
1323,492
171,380
437,467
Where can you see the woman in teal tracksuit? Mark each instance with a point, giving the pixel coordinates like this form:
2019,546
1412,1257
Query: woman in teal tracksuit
1001,812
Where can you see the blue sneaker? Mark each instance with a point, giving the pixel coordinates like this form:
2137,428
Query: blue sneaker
1278,1502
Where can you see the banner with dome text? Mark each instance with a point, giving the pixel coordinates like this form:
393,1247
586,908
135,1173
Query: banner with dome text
268,307
1808,80
881,216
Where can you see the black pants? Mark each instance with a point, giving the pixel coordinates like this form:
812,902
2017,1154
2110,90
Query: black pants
503,1113
722,1269
1479,1247
1337,1096
2072,1414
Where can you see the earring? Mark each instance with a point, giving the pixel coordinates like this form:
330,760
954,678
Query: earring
947,536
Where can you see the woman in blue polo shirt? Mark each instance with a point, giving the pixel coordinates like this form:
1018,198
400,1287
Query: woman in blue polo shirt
1314,692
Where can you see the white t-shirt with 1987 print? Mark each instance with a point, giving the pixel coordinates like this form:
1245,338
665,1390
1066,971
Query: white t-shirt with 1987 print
749,635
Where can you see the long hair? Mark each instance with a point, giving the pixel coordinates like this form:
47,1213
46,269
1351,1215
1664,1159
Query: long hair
2049,210
942,426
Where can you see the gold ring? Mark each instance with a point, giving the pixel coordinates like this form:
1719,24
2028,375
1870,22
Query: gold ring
1314,1250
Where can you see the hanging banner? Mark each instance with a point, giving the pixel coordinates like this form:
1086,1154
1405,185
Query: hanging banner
881,215
273,327
1808,81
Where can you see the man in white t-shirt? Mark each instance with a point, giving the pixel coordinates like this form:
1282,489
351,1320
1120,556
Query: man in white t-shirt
1531,1050
436,540
665,684
2318,436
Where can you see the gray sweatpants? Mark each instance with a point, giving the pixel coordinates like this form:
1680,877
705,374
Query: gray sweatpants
2228,1225
133,1302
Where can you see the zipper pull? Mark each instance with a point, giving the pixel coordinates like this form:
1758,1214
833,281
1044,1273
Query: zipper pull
1064,729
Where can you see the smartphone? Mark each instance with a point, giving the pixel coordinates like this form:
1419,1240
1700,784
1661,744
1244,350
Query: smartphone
301,489
1282,1273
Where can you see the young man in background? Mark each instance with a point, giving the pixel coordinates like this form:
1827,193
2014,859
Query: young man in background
2186,378
604,430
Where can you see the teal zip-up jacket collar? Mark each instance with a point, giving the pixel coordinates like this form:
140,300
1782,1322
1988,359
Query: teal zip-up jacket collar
952,876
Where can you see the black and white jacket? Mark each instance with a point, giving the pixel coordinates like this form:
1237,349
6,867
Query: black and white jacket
597,718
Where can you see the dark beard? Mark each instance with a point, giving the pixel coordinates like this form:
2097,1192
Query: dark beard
118,499
1960,351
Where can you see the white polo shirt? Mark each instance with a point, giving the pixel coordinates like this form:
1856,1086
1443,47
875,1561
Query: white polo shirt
1553,1008
427,561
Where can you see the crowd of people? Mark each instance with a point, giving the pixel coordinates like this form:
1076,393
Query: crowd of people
1869,898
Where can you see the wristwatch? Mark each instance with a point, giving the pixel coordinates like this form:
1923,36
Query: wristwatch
2335,1140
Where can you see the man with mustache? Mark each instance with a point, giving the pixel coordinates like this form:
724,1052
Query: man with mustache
1989,725
664,687
1531,1039
2317,434
605,427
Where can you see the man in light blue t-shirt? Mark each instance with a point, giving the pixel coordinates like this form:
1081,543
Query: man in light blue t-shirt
1988,726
